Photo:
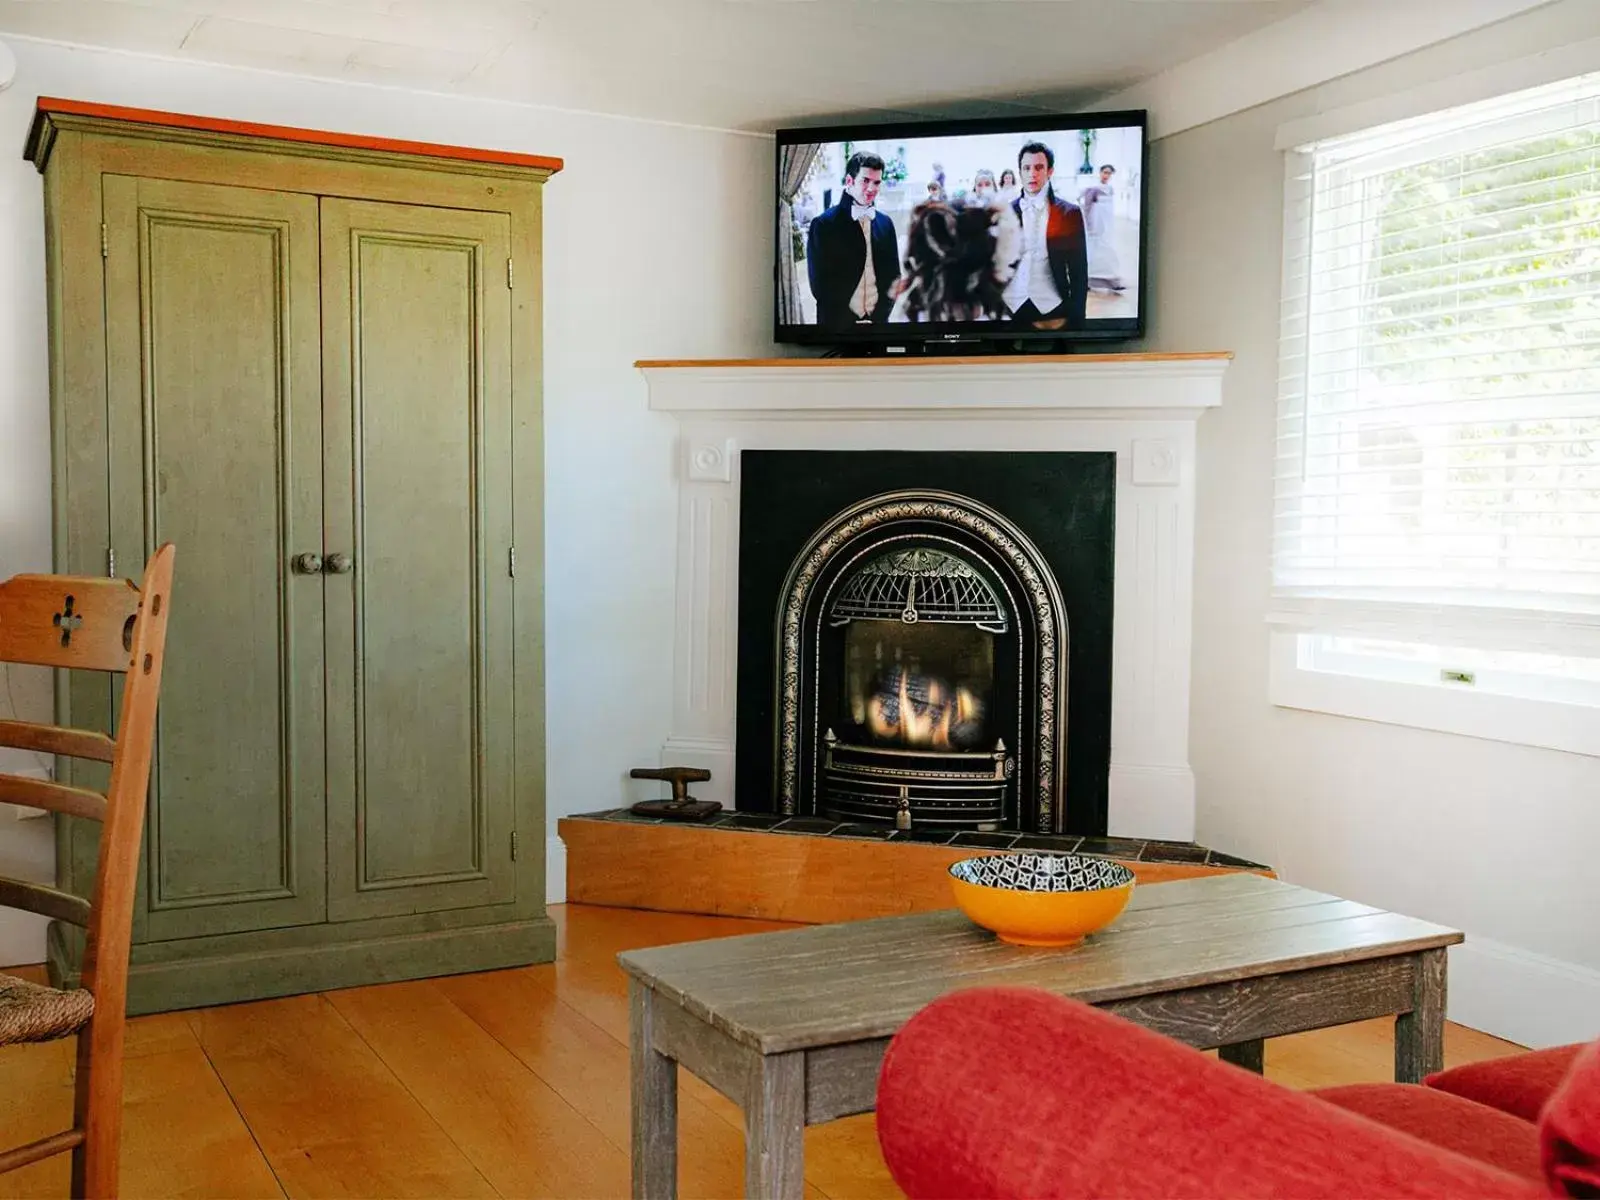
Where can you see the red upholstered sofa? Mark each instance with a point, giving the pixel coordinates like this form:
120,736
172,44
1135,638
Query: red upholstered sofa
1005,1092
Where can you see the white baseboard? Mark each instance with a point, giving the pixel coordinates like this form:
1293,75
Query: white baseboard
555,870
1521,996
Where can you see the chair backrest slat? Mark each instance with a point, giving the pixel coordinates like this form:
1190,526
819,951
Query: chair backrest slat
57,797
56,739
46,901
68,621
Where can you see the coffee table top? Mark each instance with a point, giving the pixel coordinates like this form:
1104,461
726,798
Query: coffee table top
830,984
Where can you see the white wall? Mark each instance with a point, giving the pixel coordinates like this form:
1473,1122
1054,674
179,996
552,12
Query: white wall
1502,841
657,244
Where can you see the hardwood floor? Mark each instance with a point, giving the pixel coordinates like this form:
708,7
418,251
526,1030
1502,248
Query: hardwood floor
510,1083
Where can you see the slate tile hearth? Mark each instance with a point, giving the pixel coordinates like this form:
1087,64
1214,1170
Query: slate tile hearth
985,841
741,820
1051,843
871,833
821,826
1127,849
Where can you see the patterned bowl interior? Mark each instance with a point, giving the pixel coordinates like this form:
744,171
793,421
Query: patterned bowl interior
1043,872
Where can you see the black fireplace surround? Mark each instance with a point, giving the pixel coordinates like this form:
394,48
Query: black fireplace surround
925,638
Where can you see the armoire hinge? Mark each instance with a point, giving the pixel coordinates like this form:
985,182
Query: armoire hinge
111,563
105,241
511,562
510,277
513,845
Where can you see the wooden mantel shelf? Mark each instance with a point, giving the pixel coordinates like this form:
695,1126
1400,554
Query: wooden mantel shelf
929,360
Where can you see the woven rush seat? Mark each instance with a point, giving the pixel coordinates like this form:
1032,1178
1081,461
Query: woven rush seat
31,1012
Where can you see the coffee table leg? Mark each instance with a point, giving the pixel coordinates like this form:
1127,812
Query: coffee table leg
655,1102
775,1128
1419,1034
1251,1055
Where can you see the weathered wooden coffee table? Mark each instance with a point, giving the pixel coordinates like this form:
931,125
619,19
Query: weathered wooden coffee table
793,1025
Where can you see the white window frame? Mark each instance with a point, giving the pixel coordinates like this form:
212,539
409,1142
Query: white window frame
1568,725
1550,724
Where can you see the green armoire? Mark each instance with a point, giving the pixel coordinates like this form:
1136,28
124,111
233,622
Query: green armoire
312,362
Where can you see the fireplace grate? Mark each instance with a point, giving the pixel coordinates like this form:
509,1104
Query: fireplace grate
914,788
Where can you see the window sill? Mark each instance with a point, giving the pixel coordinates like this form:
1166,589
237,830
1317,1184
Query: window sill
1551,725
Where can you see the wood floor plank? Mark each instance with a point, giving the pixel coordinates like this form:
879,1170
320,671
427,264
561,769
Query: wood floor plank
159,1034
182,1135
1463,1045
586,976
35,1101
516,1129
1363,1051
596,933
844,1161
331,1117
589,1067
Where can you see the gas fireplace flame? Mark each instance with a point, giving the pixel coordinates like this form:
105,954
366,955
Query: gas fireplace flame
914,723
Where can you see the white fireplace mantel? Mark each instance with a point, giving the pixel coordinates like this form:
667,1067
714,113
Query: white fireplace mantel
1142,407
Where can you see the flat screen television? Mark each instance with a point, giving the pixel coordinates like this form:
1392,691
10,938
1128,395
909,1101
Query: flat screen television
916,236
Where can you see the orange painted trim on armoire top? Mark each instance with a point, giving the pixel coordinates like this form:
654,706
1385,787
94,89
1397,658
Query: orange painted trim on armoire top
52,105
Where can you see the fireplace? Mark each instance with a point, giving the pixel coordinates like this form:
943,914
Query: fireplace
906,675
1092,457
921,644
905,655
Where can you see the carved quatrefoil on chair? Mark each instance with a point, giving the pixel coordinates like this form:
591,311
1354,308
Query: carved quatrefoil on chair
66,621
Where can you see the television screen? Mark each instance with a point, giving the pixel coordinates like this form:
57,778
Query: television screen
999,229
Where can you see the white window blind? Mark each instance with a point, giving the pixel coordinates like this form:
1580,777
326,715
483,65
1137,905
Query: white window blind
1438,448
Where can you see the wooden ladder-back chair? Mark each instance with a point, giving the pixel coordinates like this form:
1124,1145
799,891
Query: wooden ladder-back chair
95,625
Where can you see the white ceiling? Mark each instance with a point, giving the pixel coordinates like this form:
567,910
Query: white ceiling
736,64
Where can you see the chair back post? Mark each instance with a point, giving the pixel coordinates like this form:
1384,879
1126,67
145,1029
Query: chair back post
104,973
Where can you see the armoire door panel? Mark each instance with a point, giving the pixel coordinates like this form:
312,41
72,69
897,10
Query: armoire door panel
416,332
216,445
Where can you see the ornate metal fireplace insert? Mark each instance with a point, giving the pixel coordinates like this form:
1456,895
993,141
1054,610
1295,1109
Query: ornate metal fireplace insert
922,662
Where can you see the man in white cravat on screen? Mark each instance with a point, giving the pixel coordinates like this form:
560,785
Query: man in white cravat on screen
851,285
1051,287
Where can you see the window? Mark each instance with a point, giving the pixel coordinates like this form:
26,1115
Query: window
1437,483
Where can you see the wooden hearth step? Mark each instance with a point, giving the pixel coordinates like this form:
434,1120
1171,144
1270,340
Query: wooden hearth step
814,870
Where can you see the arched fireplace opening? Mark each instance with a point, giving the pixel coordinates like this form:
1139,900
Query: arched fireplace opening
922,651
910,639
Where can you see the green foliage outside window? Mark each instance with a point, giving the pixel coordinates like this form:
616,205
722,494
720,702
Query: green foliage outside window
1482,283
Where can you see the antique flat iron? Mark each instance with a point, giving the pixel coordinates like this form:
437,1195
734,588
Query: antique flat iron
682,806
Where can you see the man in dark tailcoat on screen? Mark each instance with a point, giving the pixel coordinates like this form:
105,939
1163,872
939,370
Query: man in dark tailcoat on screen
1051,287
851,286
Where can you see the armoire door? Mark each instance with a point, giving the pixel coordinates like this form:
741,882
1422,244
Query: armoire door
215,430
417,396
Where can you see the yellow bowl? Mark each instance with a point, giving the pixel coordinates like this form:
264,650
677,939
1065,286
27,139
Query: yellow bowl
1041,899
